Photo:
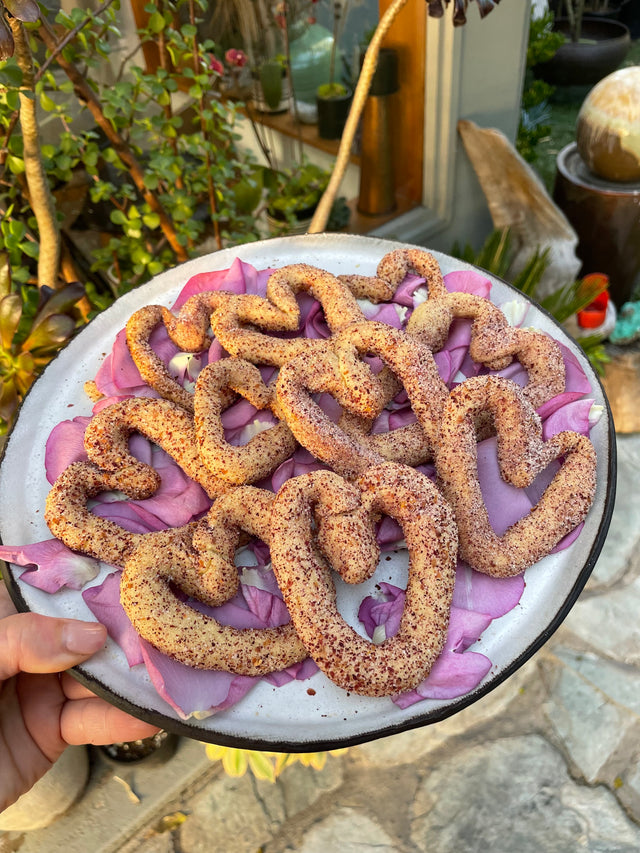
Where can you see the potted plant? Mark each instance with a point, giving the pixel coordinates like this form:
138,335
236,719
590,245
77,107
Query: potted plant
271,89
157,181
293,195
594,45
333,99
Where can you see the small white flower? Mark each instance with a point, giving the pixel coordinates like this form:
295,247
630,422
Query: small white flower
420,295
595,413
401,311
253,429
515,311
379,635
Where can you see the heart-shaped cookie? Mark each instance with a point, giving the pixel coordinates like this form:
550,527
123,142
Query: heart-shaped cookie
171,559
522,455
305,578
350,453
106,441
239,321
494,342
262,454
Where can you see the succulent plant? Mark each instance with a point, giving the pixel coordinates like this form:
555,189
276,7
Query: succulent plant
24,10
30,335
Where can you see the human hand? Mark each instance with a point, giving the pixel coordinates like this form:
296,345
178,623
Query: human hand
43,709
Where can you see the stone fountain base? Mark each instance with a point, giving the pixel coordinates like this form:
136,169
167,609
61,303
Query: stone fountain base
606,218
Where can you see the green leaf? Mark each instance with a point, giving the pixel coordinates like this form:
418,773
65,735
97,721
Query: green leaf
151,220
235,762
31,250
156,22
5,274
15,164
261,766
271,83
47,103
60,301
49,334
10,75
118,217
10,314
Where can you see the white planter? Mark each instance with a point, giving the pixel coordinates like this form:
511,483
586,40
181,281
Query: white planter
52,795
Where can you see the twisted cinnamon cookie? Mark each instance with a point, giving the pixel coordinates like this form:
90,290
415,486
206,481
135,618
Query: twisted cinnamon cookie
494,342
522,455
167,424
170,559
349,660
70,520
346,446
265,451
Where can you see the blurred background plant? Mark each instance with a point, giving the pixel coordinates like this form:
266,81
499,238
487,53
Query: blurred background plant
535,115
496,256
265,765
137,168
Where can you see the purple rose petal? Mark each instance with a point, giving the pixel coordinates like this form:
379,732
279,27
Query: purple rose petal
505,503
51,565
468,281
302,462
456,671
130,516
490,596
64,446
104,602
189,691
574,416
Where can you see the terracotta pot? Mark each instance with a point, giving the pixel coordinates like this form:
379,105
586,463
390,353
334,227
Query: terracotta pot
604,45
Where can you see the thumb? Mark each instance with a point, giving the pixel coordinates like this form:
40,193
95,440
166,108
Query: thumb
30,642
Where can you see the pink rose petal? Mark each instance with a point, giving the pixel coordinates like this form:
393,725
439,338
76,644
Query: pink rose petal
51,565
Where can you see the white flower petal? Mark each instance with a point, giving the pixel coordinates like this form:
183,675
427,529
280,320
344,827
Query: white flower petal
595,413
379,635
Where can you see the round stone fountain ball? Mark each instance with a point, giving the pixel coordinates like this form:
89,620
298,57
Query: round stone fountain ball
608,127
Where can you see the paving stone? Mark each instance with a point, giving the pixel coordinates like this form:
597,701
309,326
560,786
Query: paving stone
609,623
619,682
243,814
515,794
347,831
154,843
411,746
302,786
624,531
110,813
627,786
595,731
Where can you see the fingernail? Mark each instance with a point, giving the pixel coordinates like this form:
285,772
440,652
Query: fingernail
83,638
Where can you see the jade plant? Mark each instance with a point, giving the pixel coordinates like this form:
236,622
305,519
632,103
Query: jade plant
154,183
156,178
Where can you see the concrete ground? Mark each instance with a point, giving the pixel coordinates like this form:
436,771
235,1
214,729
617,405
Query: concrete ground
546,763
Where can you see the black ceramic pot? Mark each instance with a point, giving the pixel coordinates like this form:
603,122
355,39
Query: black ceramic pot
603,46
332,115
153,750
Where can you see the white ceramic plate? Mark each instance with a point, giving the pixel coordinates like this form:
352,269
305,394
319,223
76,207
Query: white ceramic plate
287,718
